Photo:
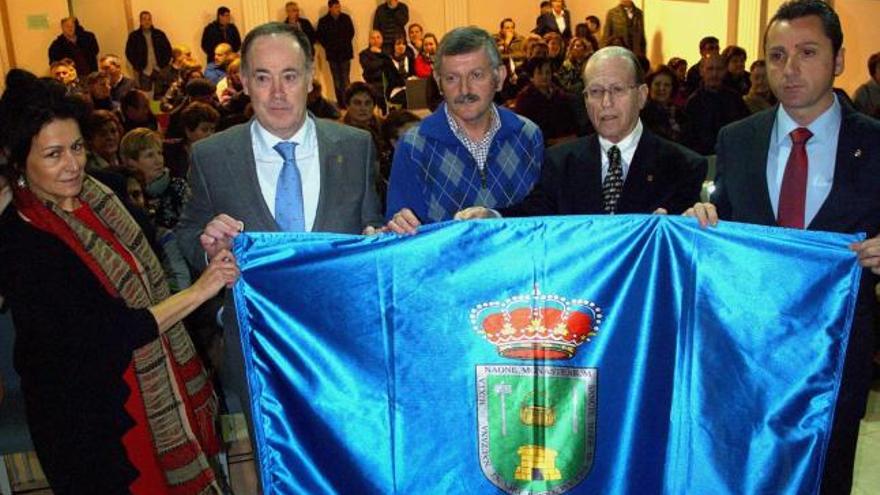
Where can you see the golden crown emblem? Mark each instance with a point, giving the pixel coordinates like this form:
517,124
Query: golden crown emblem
537,326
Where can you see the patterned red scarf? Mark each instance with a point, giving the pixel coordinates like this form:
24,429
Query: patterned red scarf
182,439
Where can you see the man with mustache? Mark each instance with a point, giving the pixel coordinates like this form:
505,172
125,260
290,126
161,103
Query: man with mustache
469,151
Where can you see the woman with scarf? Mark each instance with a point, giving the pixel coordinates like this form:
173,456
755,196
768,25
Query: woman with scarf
116,398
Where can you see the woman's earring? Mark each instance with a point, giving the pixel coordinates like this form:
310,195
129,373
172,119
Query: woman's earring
21,183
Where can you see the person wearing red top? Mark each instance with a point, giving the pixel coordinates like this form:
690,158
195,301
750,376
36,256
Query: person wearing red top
424,64
117,400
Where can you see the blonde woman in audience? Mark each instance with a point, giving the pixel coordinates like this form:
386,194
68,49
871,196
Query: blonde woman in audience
570,75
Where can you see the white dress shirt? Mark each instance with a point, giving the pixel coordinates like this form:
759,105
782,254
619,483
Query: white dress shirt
269,164
560,21
821,157
627,147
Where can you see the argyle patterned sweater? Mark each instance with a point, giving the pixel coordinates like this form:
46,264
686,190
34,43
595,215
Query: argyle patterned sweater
434,175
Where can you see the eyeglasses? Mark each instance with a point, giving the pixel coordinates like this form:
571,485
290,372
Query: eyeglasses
597,93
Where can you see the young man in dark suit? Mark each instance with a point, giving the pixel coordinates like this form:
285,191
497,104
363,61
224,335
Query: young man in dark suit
624,167
812,162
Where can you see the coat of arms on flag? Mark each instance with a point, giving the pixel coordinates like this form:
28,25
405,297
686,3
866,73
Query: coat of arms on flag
536,423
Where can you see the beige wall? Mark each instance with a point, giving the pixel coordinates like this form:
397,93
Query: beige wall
694,20
111,33
859,20
673,27
32,45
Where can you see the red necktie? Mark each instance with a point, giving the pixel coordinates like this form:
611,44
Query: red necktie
793,195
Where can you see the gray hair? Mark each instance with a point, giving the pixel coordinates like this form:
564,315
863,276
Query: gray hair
277,28
466,40
616,52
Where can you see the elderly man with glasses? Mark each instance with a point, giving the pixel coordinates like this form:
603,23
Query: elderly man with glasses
624,167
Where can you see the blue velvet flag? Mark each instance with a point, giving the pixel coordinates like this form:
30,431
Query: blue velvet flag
613,355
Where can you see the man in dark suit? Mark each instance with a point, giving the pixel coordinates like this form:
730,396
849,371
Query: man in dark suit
282,171
557,20
625,25
624,167
812,163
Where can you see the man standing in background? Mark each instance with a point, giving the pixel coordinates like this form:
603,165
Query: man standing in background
148,51
291,9
390,19
626,24
335,33
77,44
222,30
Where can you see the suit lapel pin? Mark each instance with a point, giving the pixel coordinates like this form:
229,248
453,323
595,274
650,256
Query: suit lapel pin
650,178
857,153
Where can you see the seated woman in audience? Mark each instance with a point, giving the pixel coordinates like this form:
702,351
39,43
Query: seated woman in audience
680,67
230,85
360,111
232,99
102,131
659,114
759,96
64,71
536,49
402,68
571,75
582,30
135,183
555,50
98,90
545,104
197,89
511,45
737,77
416,36
164,197
177,92
116,398
198,121
594,26
375,63
141,149
424,63
136,111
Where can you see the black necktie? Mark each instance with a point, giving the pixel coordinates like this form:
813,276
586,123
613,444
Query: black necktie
612,186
